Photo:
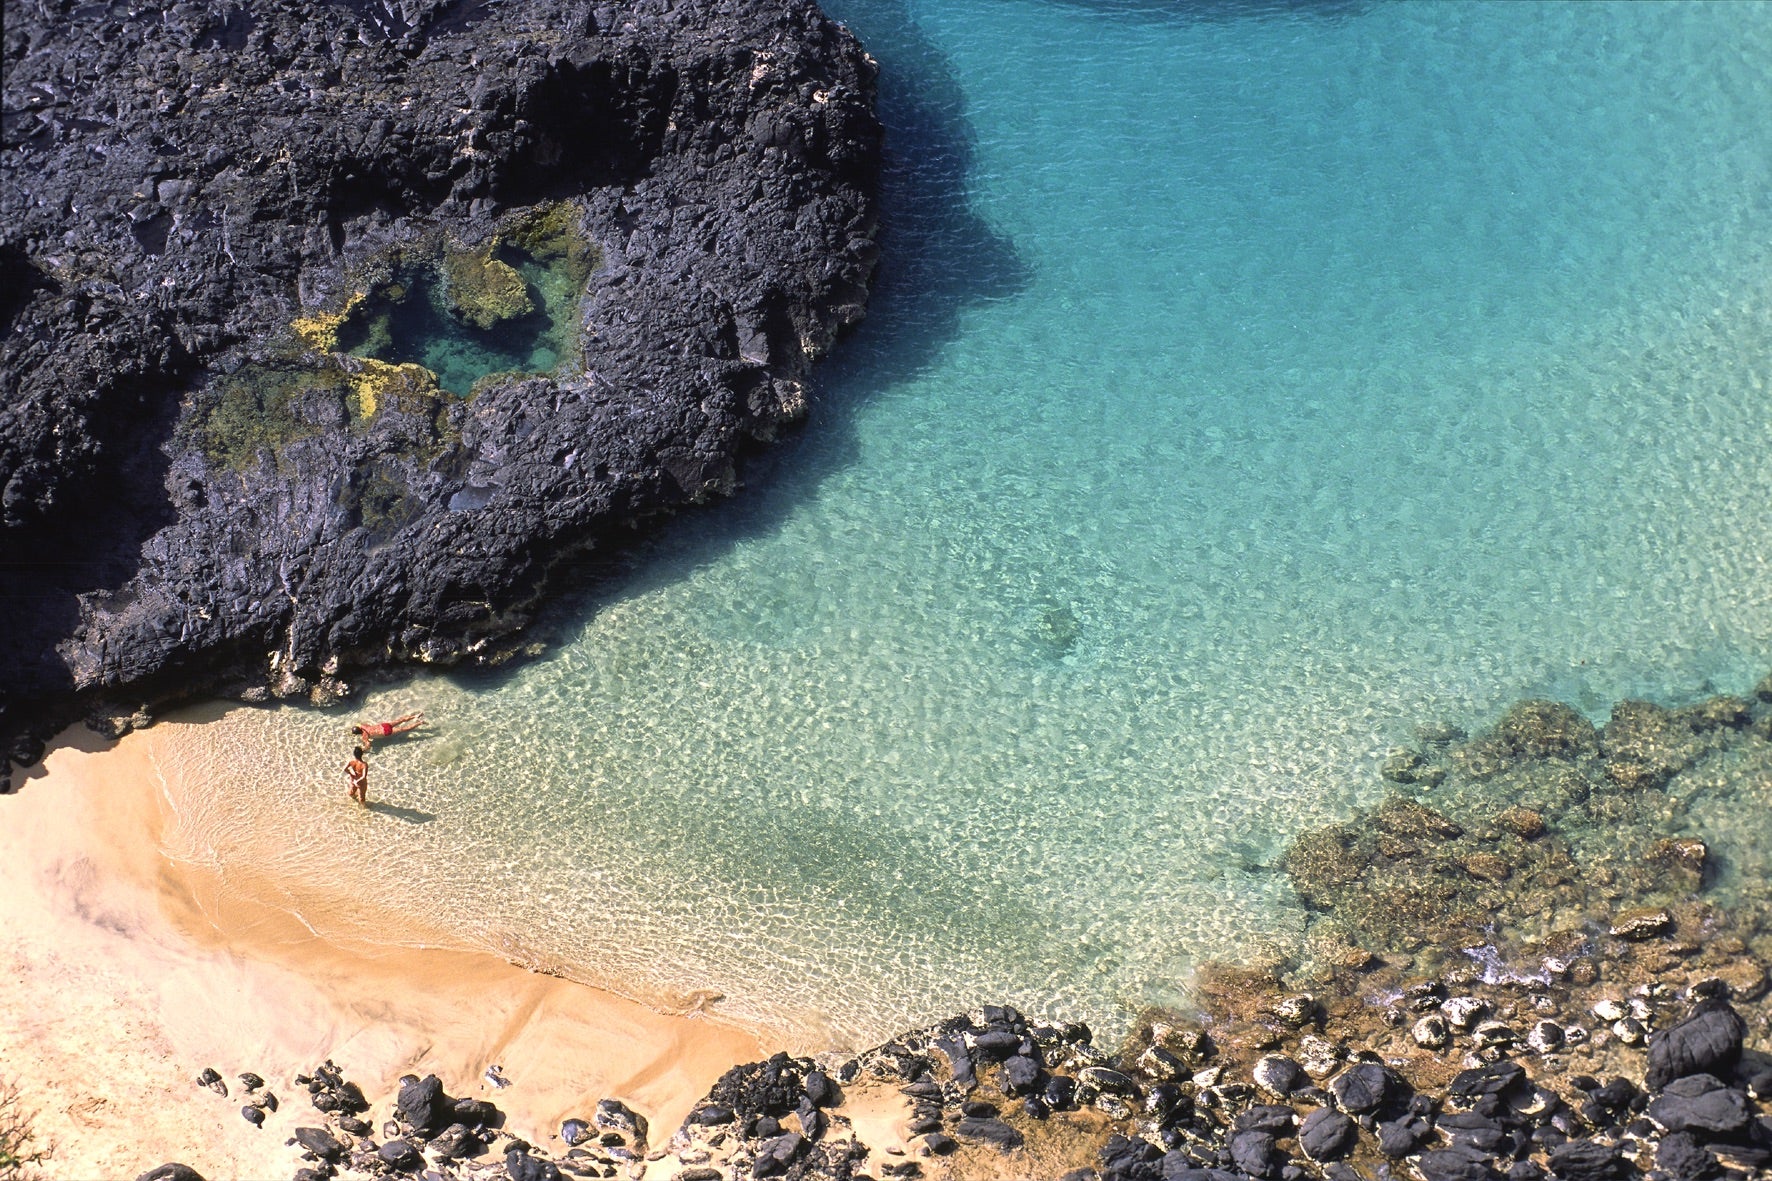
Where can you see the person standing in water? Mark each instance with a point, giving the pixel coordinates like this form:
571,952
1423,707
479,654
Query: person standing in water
368,732
358,773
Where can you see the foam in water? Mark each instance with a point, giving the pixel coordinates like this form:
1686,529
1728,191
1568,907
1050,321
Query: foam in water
1238,392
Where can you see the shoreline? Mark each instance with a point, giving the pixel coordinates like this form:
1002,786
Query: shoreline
1527,912
126,979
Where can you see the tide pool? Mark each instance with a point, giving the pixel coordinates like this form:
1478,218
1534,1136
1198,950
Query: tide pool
1242,387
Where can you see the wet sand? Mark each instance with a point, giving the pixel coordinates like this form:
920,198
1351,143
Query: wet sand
127,972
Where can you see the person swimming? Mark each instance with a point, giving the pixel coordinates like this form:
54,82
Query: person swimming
368,732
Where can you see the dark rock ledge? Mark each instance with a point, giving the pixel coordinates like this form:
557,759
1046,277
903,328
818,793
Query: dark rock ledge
1596,1016
198,492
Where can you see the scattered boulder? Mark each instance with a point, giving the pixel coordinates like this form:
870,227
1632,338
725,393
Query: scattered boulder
1457,1163
321,1143
1400,1137
400,1154
1276,1119
612,1115
422,1104
822,1090
1278,1075
1702,1103
990,1130
171,1171
1327,1134
1022,1075
1707,1042
1495,1078
774,1157
1682,1157
477,1113
995,1045
1108,1081
1362,1087
1587,1160
520,1166
1256,1153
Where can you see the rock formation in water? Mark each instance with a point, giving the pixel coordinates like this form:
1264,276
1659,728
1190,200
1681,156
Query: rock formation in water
228,447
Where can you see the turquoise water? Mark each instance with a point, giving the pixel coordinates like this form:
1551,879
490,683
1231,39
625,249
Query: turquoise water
422,328
1243,387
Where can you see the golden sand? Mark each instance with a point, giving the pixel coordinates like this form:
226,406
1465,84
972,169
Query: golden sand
126,972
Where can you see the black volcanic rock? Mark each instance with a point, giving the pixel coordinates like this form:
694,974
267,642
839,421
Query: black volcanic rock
422,1104
197,486
1455,1164
1707,1042
1701,1103
989,1129
171,1171
1362,1087
1587,1160
1327,1134
321,1143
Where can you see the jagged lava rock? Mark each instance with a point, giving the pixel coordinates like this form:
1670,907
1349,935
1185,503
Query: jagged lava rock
196,198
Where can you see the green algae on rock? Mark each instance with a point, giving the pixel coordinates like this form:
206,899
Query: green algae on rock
506,307
483,290
1542,827
261,409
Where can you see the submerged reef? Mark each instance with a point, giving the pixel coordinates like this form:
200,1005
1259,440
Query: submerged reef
1547,829
330,329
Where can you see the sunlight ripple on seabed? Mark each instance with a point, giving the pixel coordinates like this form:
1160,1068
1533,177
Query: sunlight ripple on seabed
1347,372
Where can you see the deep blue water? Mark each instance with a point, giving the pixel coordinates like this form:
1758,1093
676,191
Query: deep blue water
1244,385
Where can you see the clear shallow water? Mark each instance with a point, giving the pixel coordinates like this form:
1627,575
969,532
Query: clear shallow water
421,326
1239,391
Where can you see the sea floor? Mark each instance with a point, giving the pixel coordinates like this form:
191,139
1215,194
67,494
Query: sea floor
1244,387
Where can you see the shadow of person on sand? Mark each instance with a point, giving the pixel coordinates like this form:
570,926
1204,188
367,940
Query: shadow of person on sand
409,815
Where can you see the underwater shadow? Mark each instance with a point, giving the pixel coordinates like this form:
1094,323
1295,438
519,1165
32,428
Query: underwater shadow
938,257
938,254
409,815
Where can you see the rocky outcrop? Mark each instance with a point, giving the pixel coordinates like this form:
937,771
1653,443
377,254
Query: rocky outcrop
203,476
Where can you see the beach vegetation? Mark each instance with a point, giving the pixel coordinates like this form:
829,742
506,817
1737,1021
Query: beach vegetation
21,1153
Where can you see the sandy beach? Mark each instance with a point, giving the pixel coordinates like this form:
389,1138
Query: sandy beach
127,972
